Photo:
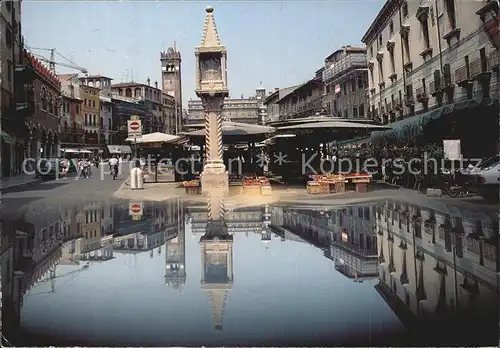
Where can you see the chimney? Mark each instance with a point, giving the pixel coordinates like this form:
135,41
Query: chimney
156,84
276,89
149,81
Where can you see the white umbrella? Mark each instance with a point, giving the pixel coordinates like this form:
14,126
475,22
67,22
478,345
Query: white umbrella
157,137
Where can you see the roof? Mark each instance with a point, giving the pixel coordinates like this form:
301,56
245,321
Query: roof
98,76
299,87
43,71
333,125
381,16
236,128
347,49
66,77
210,37
273,96
132,84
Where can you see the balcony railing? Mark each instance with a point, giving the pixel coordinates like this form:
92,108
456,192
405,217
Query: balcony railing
461,74
352,61
421,94
475,67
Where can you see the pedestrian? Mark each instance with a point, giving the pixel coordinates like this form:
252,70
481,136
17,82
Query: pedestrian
113,164
86,168
64,168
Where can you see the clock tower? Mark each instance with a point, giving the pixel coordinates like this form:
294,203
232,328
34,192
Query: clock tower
171,74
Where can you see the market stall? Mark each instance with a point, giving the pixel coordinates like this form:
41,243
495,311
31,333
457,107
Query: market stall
336,183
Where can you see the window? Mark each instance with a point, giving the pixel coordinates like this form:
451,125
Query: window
393,61
85,120
425,32
8,35
353,86
450,13
380,41
77,109
93,103
409,92
424,87
354,111
391,28
362,110
406,48
8,5
371,50
94,120
360,83
346,113
381,71
405,10
482,55
9,70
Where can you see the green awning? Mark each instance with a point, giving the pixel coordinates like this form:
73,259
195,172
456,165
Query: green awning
7,138
413,126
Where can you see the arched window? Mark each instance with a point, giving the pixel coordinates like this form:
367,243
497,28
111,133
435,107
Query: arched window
44,99
128,92
137,92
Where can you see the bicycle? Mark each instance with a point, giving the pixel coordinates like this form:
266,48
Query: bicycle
452,183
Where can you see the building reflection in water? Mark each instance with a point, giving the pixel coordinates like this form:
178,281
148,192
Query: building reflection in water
216,248
345,234
175,246
439,269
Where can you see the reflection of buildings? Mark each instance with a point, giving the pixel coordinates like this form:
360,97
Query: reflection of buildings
345,234
439,268
216,247
354,247
175,246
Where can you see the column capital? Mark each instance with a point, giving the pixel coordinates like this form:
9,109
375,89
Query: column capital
212,104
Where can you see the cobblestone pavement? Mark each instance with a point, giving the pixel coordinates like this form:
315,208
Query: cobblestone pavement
74,189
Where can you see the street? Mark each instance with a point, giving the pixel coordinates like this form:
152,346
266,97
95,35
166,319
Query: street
75,189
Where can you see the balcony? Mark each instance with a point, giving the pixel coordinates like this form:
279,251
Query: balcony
350,62
494,60
475,67
462,77
409,100
421,95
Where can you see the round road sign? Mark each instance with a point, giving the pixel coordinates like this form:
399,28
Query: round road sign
134,125
135,208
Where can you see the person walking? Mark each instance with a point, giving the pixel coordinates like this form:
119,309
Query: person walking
113,164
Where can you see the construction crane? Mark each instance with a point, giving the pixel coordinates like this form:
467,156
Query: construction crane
52,278
52,63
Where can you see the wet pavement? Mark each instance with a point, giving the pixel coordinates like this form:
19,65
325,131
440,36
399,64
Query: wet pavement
180,272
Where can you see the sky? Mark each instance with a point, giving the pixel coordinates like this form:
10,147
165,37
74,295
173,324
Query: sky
276,43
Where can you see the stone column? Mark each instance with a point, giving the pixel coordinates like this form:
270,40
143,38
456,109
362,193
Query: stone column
214,174
203,256
230,262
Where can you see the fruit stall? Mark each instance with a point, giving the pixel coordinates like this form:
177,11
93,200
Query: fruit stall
193,187
334,183
256,185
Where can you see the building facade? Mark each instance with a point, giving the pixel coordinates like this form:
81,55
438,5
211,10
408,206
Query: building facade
91,109
44,121
171,74
244,110
149,97
169,113
271,103
345,80
71,121
423,55
304,100
106,118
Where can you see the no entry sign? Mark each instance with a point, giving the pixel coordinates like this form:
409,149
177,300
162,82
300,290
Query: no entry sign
134,129
135,208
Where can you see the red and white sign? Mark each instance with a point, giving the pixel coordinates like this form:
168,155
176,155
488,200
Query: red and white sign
134,129
337,89
135,208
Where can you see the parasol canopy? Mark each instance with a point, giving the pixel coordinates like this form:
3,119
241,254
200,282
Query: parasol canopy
157,137
236,128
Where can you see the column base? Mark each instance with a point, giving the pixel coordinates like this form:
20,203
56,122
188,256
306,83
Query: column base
214,177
